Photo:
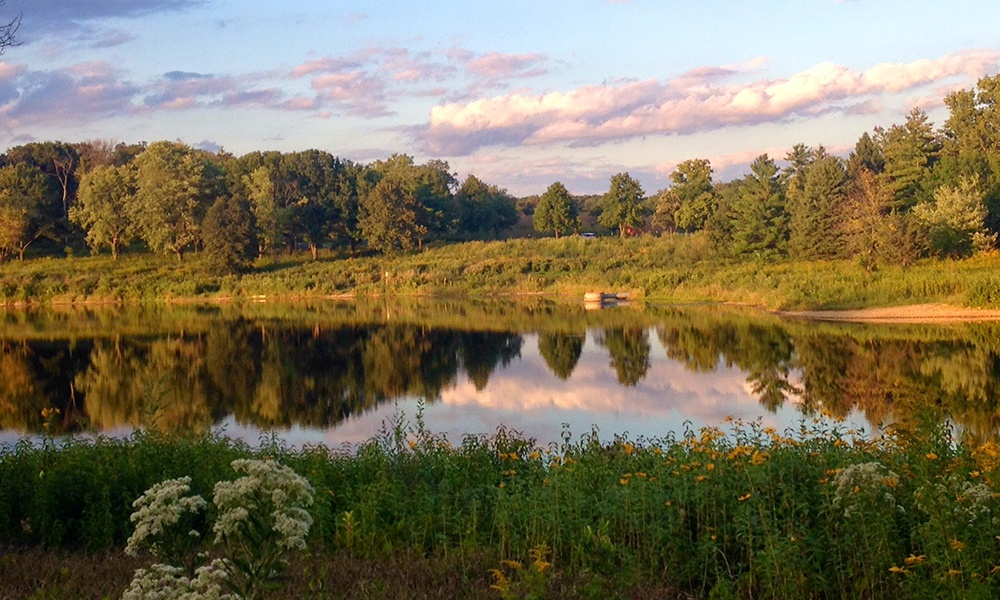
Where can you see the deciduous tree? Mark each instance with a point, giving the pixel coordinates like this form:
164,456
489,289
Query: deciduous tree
168,206
622,206
556,211
102,204
23,194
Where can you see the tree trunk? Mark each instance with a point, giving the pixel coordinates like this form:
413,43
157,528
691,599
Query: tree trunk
314,249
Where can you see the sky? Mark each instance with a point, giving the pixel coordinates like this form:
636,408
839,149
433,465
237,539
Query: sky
521,93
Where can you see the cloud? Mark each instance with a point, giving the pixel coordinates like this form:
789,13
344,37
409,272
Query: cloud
495,66
81,93
700,100
56,15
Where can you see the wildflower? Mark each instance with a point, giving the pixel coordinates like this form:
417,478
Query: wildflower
931,456
864,486
954,572
956,545
158,509
758,458
623,481
667,503
897,570
710,466
535,455
915,560
629,448
509,473
745,497
701,478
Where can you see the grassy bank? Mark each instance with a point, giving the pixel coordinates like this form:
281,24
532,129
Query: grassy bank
672,269
749,512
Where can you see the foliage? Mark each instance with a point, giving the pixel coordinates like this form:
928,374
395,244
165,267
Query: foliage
956,220
230,237
622,206
556,211
260,517
388,217
817,511
102,207
22,208
485,211
759,217
169,204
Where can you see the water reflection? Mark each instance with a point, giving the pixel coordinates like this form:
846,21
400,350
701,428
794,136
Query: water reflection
334,372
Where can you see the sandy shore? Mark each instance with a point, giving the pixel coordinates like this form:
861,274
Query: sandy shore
914,313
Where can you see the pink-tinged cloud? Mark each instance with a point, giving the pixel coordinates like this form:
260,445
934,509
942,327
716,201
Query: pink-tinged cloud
496,65
81,93
698,101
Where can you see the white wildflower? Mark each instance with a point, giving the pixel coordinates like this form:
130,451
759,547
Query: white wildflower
865,484
160,507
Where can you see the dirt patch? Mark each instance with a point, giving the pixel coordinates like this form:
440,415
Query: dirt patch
914,313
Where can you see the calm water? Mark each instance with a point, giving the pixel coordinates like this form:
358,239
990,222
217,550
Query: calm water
337,372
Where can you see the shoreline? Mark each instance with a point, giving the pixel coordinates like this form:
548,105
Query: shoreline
912,313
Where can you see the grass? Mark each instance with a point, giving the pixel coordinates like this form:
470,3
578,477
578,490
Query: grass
817,512
673,269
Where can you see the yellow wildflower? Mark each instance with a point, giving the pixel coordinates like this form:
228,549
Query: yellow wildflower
710,466
954,572
956,545
747,496
897,570
915,560
931,456
701,478
629,448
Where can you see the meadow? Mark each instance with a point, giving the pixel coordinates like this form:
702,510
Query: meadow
677,269
744,512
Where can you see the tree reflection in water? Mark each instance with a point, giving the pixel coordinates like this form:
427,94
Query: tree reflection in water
322,366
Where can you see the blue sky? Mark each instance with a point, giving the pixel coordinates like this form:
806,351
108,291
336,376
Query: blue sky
520,93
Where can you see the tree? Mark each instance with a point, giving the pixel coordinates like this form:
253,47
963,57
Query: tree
873,231
910,151
556,211
260,192
622,205
692,193
485,211
866,155
23,194
956,220
101,207
8,31
168,204
230,236
814,210
759,219
387,216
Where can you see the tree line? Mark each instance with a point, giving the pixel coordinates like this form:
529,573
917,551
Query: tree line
904,192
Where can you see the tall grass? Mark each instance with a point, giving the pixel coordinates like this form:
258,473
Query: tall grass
816,512
682,268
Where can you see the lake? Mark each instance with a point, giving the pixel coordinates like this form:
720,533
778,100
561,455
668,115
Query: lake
338,372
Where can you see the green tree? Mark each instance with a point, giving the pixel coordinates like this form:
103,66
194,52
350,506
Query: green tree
622,206
956,220
387,216
270,220
168,205
692,193
486,212
101,207
873,231
910,151
815,209
23,196
866,155
759,219
230,236
556,211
